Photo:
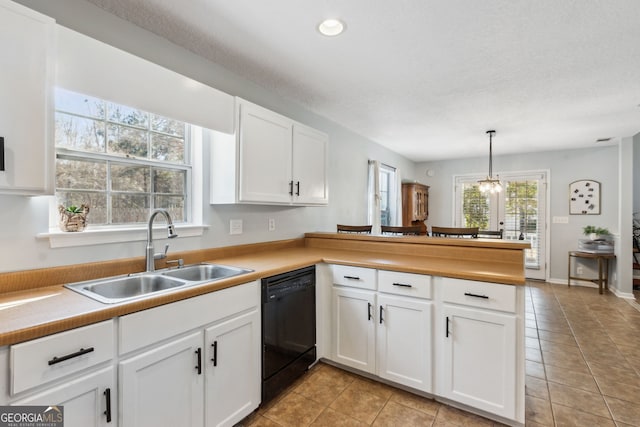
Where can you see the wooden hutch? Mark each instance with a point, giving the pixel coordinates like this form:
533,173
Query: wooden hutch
415,205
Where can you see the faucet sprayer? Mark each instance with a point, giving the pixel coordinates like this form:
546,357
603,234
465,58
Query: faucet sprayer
151,256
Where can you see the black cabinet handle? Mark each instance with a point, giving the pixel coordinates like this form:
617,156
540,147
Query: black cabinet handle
199,365
107,397
447,328
403,285
70,356
215,353
351,277
381,319
369,310
469,294
298,188
291,188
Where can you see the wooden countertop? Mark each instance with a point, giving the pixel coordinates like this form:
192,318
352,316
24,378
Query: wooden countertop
38,309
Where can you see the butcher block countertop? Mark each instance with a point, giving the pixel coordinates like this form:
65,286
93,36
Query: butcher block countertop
34,303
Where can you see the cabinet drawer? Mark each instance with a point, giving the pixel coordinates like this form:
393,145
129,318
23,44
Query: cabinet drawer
45,359
408,284
479,294
357,277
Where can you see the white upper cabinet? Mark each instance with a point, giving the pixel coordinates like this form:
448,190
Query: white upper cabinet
271,159
27,42
309,177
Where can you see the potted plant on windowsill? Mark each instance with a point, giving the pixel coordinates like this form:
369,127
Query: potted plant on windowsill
73,218
595,233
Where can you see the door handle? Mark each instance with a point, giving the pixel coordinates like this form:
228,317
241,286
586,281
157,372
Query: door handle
291,188
298,188
403,285
107,397
369,310
199,365
469,294
215,353
381,319
447,328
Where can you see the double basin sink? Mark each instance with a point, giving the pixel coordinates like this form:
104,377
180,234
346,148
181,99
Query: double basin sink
117,289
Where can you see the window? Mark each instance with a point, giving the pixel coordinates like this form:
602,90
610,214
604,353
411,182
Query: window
387,195
119,160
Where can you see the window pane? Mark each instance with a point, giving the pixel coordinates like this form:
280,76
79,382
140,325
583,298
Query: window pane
81,174
475,207
130,178
76,103
174,204
169,181
79,133
167,148
97,204
127,115
129,208
168,126
128,141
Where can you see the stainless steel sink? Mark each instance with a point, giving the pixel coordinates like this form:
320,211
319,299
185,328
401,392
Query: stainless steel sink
204,272
123,288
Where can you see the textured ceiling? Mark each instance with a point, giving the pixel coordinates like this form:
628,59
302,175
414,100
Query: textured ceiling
427,78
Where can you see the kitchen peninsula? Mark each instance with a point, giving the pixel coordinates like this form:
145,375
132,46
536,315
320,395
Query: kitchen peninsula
467,292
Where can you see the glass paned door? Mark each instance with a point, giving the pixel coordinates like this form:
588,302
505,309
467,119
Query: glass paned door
519,210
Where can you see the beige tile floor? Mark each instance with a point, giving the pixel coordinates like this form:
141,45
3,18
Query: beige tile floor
582,366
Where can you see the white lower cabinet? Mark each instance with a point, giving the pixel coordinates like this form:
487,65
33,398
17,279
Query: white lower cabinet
232,374
164,386
207,375
482,355
88,401
384,333
479,362
354,328
404,341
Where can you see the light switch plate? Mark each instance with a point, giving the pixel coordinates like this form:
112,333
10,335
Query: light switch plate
272,224
235,226
560,220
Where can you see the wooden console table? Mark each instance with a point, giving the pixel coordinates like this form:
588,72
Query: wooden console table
603,268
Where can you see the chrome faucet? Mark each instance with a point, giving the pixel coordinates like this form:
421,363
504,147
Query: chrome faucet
151,257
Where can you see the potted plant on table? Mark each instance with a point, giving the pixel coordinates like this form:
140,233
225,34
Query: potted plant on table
73,218
595,233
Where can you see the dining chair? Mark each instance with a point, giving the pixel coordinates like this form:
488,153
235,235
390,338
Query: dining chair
412,230
466,232
359,229
490,234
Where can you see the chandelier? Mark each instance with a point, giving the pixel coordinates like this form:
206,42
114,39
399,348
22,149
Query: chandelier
489,184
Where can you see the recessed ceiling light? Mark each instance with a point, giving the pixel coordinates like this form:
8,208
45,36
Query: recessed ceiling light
331,27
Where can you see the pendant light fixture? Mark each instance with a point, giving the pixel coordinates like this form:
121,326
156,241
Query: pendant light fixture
489,184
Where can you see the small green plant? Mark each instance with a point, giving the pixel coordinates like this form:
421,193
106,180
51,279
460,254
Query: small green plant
592,229
75,209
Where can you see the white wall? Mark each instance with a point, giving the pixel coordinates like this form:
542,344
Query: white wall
598,163
24,218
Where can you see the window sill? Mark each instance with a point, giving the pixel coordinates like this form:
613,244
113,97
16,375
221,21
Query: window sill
100,236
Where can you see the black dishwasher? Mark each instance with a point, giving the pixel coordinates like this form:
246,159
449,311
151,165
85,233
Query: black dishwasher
288,328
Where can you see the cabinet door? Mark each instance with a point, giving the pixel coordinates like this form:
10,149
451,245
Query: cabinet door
404,341
354,328
232,373
26,75
479,358
89,401
310,166
265,155
162,387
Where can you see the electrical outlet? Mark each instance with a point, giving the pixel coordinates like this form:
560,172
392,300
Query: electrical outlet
272,224
579,270
235,226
